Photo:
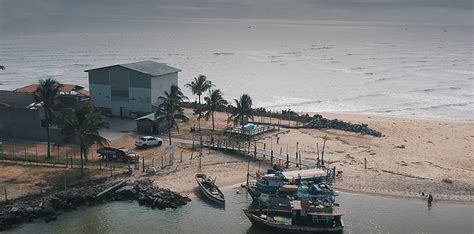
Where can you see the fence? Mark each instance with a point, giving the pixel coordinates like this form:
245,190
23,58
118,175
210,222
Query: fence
64,156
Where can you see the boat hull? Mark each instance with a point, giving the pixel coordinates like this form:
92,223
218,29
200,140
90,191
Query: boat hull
255,220
208,194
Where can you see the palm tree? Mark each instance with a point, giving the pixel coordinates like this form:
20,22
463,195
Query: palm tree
169,110
213,102
81,126
199,85
47,94
243,108
175,95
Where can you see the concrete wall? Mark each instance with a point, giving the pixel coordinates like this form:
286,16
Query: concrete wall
121,90
19,123
159,84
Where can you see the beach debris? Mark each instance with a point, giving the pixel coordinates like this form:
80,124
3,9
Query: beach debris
430,199
151,170
400,146
447,181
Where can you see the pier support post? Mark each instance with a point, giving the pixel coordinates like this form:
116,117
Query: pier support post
143,164
365,163
255,151
271,158
287,161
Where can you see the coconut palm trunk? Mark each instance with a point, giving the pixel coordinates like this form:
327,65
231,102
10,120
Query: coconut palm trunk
169,130
46,119
82,159
213,128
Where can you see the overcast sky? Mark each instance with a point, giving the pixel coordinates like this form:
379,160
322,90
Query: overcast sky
411,11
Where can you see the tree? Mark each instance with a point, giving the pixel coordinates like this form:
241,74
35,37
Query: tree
47,94
198,86
243,108
81,126
169,109
213,102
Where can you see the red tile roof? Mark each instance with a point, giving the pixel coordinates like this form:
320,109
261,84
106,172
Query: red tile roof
65,88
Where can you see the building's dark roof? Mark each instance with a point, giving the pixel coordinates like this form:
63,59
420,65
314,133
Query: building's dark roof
147,67
16,99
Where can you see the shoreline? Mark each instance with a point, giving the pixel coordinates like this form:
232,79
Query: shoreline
401,197
388,116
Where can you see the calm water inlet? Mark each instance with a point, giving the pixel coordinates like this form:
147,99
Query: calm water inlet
364,214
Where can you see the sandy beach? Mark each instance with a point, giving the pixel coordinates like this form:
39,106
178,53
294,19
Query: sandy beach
414,156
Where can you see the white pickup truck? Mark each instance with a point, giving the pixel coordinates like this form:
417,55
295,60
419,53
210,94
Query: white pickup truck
147,141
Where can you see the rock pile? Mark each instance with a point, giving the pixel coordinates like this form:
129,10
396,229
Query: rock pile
50,206
146,194
319,122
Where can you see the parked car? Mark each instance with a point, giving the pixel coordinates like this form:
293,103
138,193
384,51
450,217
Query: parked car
114,154
147,141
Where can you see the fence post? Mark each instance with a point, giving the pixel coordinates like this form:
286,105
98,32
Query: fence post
143,164
287,160
5,191
71,162
25,152
181,157
13,151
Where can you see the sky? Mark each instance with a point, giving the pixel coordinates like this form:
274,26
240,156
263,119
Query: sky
444,12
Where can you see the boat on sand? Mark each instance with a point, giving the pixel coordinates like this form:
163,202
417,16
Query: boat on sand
209,188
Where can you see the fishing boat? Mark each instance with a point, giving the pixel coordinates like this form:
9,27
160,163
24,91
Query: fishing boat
209,188
303,217
320,192
274,179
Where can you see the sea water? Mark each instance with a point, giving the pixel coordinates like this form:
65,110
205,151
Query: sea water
424,71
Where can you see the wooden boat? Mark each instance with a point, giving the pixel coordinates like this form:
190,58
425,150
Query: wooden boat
209,188
298,219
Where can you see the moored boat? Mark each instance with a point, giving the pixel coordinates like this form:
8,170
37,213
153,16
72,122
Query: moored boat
303,217
209,188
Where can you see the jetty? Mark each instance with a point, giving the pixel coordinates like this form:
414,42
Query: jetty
252,149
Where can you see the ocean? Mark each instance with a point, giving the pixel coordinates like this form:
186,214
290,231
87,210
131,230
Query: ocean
410,70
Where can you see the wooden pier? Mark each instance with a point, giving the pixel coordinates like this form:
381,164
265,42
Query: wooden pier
255,150
247,134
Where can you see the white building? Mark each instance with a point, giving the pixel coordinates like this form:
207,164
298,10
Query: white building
132,88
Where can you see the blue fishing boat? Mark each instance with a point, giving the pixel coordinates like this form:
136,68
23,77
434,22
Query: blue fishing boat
320,192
